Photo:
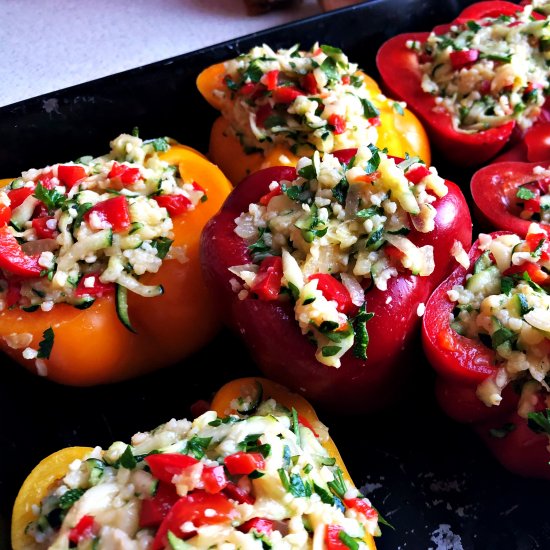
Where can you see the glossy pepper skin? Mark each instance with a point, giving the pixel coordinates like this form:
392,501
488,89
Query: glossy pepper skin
55,466
494,189
268,328
534,145
401,76
92,346
461,365
399,133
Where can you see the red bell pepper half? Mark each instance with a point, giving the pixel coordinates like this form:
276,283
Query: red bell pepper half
274,337
462,364
175,204
401,75
494,190
244,463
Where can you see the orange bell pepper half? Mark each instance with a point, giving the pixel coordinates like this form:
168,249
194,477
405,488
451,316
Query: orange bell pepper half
53,468
91,345
399,130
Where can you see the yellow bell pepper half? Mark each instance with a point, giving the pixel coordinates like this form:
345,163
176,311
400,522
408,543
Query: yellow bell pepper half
54,467
400,133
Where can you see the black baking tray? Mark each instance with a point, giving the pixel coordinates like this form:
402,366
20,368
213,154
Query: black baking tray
430,477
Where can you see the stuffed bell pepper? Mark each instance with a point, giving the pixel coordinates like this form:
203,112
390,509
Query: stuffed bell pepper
539,6
311,263
257,471
99,266
509,196
279,105
486,331
473,81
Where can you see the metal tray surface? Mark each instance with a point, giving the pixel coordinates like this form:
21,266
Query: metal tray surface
430,477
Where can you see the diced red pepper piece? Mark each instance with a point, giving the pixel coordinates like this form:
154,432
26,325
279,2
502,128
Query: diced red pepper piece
332,538
214,479
375,121
242,463
463,58
98,288
13,259
286,94
262,526
238,494
112,211
369,178
252,89
41,211
5,214
333,289
415,175
268,196
338,122
70,175
40,226
165,466
126,174
262,114
533,239
193,508
309,84
18,196
305,422
84,529
198,187
534,271
267,283
154,510
45,180
485,86
271,79
532,205
346,79
362,506
13,293
175,204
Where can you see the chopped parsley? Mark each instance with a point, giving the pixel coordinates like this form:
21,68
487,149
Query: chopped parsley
539,421
51,198
197,446
46,344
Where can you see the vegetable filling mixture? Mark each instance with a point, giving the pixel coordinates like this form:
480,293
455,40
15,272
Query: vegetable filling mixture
488,72
505,304
77,231
255,479
326,237
315,99
533,198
